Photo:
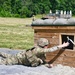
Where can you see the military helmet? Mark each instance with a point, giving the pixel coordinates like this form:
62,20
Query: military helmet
42,42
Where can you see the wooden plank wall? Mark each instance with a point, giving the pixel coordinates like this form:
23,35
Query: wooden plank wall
52,37
64,57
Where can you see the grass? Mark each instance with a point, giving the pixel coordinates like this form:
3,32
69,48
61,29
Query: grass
15,34
40,16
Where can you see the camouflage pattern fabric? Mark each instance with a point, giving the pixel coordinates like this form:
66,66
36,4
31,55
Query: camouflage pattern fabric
32,58
7,59
42,42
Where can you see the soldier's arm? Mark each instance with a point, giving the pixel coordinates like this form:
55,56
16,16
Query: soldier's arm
57,47
52,49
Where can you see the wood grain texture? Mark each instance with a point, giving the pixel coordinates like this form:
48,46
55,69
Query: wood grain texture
54,35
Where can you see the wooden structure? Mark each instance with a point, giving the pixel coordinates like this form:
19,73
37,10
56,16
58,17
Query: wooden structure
56,31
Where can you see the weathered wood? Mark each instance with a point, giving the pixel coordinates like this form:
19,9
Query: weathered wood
54,27
57,30
54,35
64,57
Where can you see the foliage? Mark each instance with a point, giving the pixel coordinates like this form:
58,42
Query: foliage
27,8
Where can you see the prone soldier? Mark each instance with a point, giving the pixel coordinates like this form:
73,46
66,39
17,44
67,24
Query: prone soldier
32,57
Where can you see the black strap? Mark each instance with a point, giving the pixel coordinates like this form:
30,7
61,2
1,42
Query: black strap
30,49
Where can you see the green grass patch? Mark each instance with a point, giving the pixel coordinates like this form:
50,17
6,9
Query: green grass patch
16,36
40,16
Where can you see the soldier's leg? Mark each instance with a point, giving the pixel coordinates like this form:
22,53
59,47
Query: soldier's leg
2,61
11,60
2,54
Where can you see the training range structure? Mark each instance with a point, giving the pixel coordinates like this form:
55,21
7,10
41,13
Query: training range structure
56,31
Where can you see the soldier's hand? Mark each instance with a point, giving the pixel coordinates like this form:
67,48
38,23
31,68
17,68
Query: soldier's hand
40,60
49,65
65,44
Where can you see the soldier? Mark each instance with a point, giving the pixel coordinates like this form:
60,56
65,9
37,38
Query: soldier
32,57
33,19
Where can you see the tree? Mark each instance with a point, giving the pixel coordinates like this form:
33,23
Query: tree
54,5
26,8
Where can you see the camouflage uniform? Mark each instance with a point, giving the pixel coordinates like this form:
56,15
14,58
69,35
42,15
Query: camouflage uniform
32,57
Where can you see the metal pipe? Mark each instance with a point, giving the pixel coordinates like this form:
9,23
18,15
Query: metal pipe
70,40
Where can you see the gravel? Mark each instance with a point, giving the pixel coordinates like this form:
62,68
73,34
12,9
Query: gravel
40,70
